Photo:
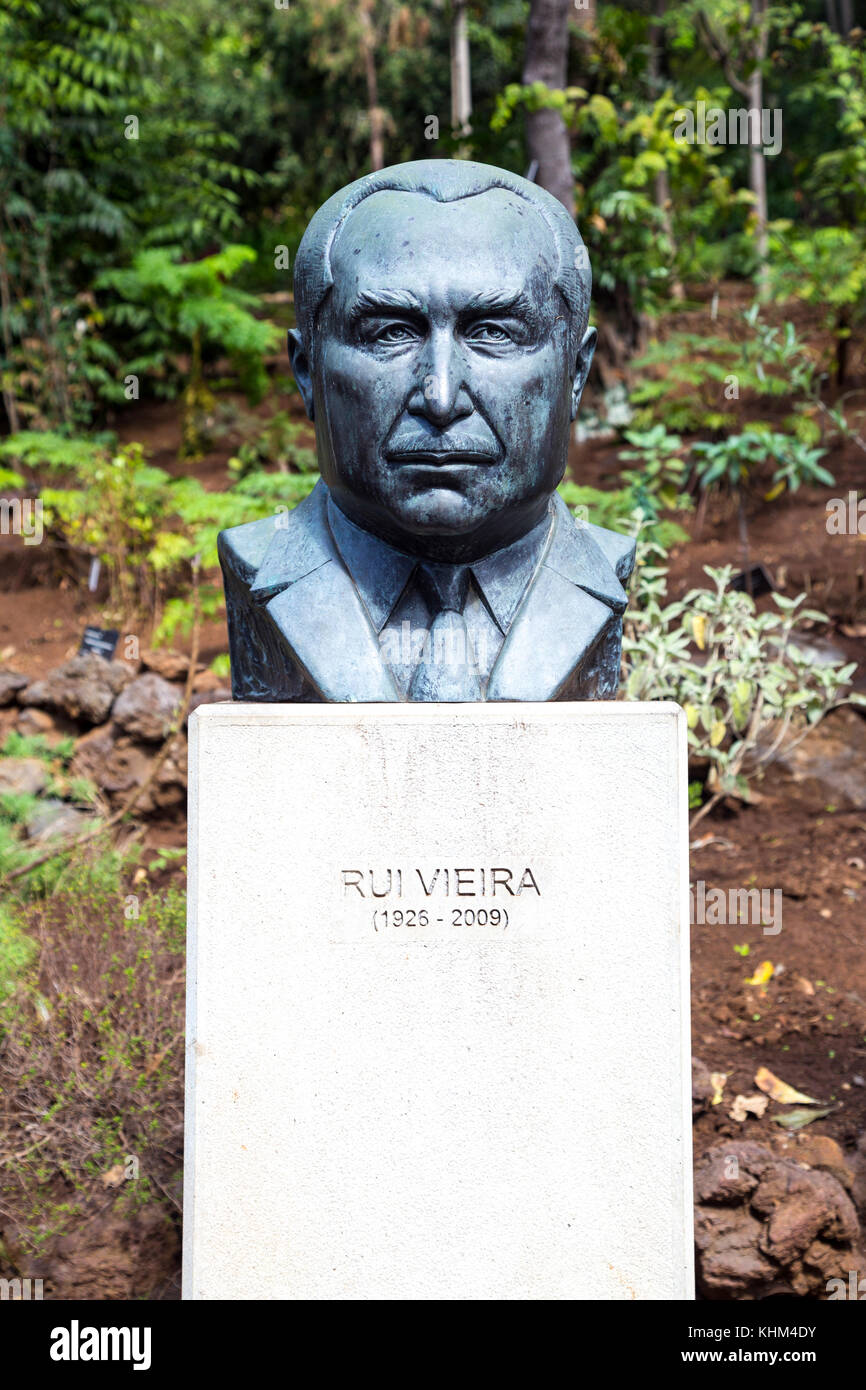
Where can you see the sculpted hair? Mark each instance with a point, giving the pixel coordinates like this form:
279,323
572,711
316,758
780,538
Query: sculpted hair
446,180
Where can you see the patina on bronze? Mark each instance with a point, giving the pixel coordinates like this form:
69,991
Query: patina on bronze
441,350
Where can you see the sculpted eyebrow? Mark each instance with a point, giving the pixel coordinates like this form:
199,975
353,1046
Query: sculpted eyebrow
502,302
371,302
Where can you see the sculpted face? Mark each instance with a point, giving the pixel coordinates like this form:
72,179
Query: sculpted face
441,385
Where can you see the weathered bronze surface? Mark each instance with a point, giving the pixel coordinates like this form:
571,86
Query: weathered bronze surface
441,350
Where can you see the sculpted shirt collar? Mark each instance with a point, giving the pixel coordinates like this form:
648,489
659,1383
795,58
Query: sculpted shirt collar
382,573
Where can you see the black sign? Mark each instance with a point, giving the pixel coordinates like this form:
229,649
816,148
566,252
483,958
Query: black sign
102,640
755,581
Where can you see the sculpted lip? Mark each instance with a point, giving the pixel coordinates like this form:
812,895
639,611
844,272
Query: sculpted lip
440,458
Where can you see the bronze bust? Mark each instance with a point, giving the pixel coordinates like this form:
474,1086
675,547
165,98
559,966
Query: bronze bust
441,351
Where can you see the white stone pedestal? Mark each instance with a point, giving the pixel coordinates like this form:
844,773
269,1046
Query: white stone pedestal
437,1039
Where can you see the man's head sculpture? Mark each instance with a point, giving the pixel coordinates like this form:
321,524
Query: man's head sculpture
441,351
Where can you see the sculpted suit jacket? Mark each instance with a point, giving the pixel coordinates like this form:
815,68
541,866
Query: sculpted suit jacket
299,629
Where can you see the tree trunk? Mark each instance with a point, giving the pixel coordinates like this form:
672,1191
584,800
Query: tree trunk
461,88
758,185
661,183
45,301
846,17
547,61
9,400
377,124
757,159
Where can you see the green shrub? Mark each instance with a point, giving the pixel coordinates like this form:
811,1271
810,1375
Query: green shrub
145,526
744,684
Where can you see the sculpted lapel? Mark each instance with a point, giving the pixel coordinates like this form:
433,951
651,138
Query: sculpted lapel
570,611
312,600
313,614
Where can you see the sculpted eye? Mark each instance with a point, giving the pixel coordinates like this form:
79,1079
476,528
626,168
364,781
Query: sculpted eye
395,333
488,333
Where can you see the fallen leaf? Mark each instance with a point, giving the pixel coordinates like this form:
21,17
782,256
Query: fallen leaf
780,1090
763,973
803,985
114,1177
717,1081
796,1119
744,1106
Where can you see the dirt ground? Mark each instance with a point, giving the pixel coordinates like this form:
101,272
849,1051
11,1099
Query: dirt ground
808,1023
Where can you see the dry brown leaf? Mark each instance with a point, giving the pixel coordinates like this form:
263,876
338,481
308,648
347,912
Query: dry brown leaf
780,1090
744,1106
114,1177
717,1081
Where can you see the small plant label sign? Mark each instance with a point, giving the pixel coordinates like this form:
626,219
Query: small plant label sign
102,640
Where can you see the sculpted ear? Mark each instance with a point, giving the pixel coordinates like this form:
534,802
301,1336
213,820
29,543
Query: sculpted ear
584,362
301,370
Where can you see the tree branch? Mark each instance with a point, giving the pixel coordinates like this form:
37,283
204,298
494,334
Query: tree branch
721,55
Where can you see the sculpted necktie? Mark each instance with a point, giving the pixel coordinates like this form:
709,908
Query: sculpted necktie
447,669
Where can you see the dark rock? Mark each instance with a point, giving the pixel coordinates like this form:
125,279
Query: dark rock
702,1086
92,751
209,697
147,707
10,683
207,680
730,1261
171,665
119,764
819,1151
819,651
114,764
22,775
52,817
731,1172
765,1224
53,728
858,1166
829,766
85,688
168,792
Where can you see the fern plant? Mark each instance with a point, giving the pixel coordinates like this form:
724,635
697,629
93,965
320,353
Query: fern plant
173,306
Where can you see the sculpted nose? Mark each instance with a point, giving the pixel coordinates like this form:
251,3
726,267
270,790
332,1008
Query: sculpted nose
440,393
